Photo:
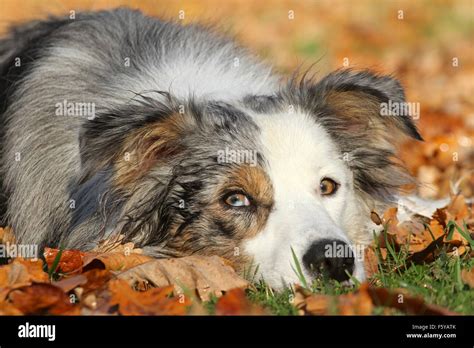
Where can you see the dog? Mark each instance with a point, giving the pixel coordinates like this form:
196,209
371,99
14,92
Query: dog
185,143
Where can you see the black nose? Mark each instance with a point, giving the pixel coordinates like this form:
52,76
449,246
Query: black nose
330,257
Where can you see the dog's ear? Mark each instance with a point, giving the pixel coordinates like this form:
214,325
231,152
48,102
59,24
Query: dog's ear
362,100
354,108
128,141
144,147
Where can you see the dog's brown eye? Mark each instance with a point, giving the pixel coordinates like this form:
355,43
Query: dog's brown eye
328,187
237,200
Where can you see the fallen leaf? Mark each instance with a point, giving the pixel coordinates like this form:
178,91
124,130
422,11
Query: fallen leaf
96,279
71,261
42,299
467,277
455,239
21,272
74,261
156,301
357,303
457,209
370,262
234,302
363,301
402,301
115,261
68,284
205,275
6,308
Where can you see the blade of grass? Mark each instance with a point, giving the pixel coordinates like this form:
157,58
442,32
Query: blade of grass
298,270
55,264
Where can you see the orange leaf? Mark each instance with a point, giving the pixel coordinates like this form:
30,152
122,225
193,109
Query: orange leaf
206,275
42,299
457,209
370,262
234,302
467,277
155,301
358,303
114,261
404,302
21,272
70,262
68,284
73,261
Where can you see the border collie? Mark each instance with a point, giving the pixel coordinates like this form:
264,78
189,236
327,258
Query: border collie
185,143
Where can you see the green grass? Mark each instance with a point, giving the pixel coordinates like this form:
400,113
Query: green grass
278,303
438,282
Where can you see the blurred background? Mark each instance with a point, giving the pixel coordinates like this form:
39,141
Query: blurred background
428,45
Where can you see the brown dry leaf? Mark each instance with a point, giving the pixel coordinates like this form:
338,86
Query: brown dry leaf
363,301
422,237
234,302
95,293
114,261
440,217
456,240
70,262
458,210
42,299
357,303
155,301
404,302
70,283
6,308
89,281
370,262
96,279
436,230
467,277
73,261
390,217
21,272
203,274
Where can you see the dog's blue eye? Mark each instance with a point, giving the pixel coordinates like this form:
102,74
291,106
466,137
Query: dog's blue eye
237,200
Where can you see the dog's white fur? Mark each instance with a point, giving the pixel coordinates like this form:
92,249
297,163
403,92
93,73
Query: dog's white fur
300,153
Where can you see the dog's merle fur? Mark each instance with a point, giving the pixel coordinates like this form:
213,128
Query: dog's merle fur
64,190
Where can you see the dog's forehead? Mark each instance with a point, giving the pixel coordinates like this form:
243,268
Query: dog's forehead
295,148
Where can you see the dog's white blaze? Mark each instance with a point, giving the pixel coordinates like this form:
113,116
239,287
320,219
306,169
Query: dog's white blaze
299,153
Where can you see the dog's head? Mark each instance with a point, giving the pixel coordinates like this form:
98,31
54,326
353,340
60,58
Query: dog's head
259,181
